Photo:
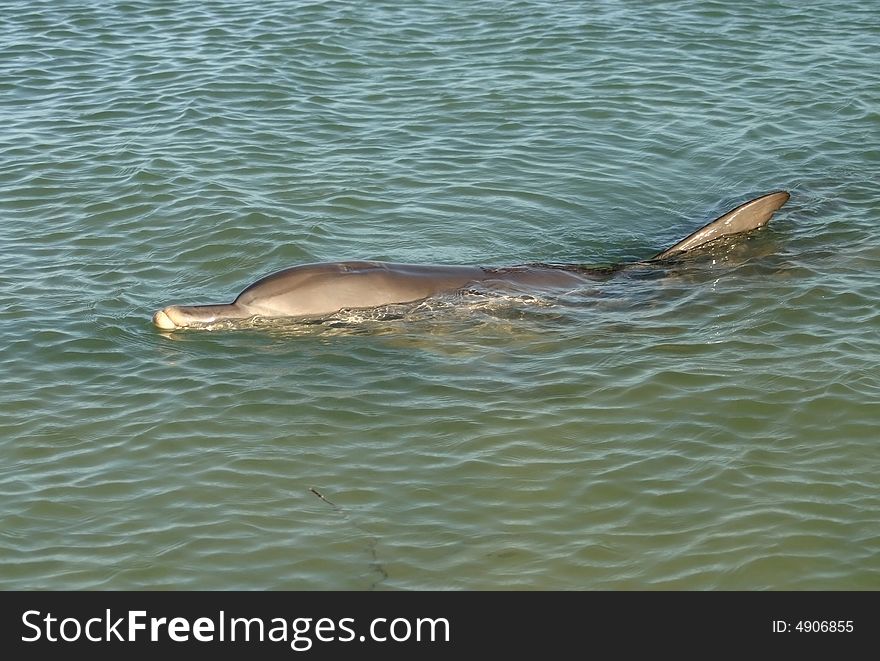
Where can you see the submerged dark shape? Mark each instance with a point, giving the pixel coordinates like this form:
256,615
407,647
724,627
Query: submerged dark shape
319,290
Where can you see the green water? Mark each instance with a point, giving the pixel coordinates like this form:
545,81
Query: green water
716,428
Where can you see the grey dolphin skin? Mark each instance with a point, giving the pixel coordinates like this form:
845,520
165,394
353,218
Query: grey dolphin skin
319,290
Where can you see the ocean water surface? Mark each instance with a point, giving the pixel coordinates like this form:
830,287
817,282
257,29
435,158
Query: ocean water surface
712,426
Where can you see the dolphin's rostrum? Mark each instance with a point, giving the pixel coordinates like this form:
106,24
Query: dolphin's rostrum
319,290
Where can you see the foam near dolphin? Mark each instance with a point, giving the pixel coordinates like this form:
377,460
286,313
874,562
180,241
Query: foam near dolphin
319,290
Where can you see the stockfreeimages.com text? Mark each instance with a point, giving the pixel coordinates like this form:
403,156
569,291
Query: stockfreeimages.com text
300,632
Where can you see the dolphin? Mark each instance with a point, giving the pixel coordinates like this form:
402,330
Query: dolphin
314,291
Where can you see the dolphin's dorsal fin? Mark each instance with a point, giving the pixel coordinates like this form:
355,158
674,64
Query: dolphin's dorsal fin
746,217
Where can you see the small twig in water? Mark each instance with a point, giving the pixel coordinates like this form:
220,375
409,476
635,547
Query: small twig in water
371,540
321,496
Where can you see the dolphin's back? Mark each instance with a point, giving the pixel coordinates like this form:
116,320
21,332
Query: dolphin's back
320,289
